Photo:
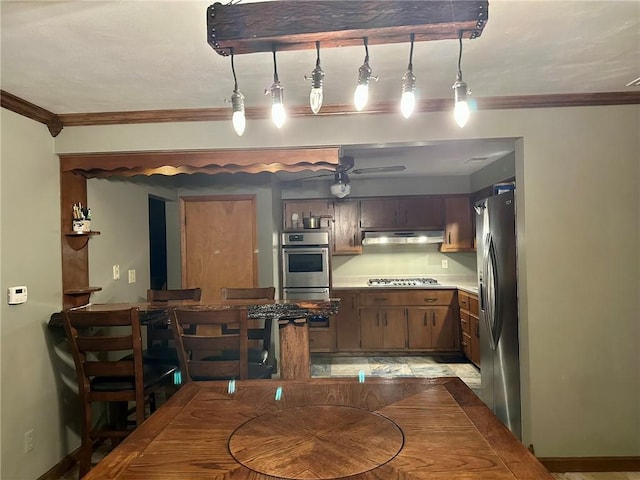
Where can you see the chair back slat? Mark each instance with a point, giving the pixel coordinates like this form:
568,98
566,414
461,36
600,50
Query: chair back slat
119,368
206,370
175,294
210,342
107,318
204,349
259,336
105,344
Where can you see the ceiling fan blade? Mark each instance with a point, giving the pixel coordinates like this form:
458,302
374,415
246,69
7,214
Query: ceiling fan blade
390,168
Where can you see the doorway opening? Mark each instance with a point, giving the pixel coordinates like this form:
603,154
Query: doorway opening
157,243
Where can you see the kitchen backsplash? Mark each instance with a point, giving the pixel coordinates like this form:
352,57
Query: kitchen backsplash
402,261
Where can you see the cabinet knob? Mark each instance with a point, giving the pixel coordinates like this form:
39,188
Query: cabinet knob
430,300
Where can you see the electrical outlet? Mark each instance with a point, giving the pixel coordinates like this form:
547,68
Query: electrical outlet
116,272
132,276
28,441
445,263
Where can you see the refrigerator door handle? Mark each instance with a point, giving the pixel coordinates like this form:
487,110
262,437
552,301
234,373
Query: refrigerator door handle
491,293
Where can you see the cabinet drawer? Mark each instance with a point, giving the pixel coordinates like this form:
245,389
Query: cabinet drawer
466,345
465,322
407,297
320,340
463,300
473,304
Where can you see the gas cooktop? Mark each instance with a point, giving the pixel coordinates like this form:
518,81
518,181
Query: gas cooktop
401,282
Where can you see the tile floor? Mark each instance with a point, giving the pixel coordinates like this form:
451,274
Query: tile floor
416,366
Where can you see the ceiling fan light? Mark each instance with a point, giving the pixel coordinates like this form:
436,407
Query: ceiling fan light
340,190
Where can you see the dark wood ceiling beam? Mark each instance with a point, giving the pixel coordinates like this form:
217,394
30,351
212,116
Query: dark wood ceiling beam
434,105
29,110
297,25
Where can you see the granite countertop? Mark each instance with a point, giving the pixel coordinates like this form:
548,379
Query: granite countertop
459,282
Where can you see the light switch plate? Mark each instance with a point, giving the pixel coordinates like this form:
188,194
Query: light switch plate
132,276
445,263
116,272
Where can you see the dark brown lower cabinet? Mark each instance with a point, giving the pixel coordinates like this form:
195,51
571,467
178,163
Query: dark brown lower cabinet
397,320
431,328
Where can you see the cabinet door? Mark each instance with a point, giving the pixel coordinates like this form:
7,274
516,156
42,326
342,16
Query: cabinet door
458,231
420,212
378,213
442,328
394,324
475,339
419,328
371,328
347,322
306,208
346,228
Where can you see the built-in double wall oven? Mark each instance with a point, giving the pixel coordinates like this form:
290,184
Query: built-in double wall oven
305,264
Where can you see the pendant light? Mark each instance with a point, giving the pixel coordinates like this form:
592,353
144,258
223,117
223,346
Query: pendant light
238,119
278,113
361,94
317,79
408,99
460,91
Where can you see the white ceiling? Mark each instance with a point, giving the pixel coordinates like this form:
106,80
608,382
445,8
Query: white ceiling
110,56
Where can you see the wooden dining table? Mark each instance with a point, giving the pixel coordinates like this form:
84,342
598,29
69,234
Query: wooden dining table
401,428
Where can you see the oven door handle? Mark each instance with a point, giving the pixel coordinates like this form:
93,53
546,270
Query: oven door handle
305,250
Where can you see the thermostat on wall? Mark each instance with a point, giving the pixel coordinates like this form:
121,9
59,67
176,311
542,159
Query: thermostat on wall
16,295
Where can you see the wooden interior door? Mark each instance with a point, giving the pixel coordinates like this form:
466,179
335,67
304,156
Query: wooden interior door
218,243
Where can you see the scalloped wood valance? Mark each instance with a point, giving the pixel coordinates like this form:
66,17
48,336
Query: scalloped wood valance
129,164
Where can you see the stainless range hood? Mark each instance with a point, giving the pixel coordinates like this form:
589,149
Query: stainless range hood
403,238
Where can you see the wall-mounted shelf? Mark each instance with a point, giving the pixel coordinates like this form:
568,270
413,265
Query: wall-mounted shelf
80,238
81,291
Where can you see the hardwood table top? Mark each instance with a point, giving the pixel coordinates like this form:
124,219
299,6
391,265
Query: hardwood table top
399,428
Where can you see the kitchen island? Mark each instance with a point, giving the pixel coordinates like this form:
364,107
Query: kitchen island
378,429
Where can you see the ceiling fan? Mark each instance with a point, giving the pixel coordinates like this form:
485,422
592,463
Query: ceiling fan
341,187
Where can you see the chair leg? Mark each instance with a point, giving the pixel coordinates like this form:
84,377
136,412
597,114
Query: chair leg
86,447
152,402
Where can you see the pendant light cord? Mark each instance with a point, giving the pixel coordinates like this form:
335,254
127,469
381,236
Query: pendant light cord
233,69
366,49
317,54
413,37
460,57
275,66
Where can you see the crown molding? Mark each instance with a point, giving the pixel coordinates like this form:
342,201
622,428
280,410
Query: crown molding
29,110
55,123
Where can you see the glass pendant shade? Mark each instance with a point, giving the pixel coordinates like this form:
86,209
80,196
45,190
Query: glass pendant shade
278,113
317,80
315,99
238,119
461,109
360,97
408,99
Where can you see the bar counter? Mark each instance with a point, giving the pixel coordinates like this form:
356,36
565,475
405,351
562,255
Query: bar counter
151,311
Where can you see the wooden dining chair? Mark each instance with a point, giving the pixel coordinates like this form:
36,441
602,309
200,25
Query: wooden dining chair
212,344
94,338
160,345
260,350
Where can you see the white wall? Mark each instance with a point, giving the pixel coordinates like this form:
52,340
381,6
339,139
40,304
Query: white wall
30,255
120,212
576,167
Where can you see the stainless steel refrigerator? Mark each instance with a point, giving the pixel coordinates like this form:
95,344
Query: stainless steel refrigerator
497,292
